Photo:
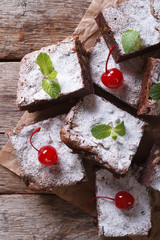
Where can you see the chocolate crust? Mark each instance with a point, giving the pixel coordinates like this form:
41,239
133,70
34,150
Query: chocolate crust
83,58
146,107
42,104
150,167
108,36
146,85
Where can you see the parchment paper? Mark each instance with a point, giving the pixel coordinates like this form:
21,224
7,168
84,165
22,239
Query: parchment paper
81,193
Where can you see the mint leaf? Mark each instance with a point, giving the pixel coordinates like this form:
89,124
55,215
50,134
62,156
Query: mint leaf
101,131
53,75
51,87
131,41
120,129
114,135
154,92
44,62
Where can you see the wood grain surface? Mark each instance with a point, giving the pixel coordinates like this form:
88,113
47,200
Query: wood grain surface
43,217
28,25
25,26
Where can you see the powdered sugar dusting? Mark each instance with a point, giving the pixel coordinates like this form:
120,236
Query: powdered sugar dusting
67,171
113,222
116,155
65,62
134,15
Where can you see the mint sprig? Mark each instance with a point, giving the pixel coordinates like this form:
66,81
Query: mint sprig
44,62
49,85
52,88
154,92
103,131
131,41
53,75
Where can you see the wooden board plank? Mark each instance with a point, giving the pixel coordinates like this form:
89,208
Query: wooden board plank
28,25
3,140
9,114
43,217
11,183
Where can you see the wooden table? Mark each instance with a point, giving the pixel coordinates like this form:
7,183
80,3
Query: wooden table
27,25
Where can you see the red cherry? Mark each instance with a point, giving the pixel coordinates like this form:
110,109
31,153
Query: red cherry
123,200
47,155
113,77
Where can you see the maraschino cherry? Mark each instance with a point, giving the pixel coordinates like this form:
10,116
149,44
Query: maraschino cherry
123,200
47,155
113,77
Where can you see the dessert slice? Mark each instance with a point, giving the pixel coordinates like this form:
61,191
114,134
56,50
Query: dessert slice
150,92
67,171
69,60
113,144
150,176
127,28
116,222
132,71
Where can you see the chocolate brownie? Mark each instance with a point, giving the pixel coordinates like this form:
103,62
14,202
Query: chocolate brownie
68,170
70,60
114,155
151,76
150,176
134,15
115,222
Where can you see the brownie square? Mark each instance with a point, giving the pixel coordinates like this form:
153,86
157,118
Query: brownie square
115,222
151,76
132,15
131,69
67,171
70,60
114,155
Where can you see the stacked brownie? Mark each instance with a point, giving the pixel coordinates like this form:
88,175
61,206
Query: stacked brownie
70,60
114,146
69,169
113,155
114,222
136,15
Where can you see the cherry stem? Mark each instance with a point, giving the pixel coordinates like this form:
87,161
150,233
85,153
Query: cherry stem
37,130
98,197
110,51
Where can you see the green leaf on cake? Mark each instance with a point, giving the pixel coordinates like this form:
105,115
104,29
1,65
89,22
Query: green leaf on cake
44,62
120,129
101,131
114,135
154,92
51,87
53,75
131,41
